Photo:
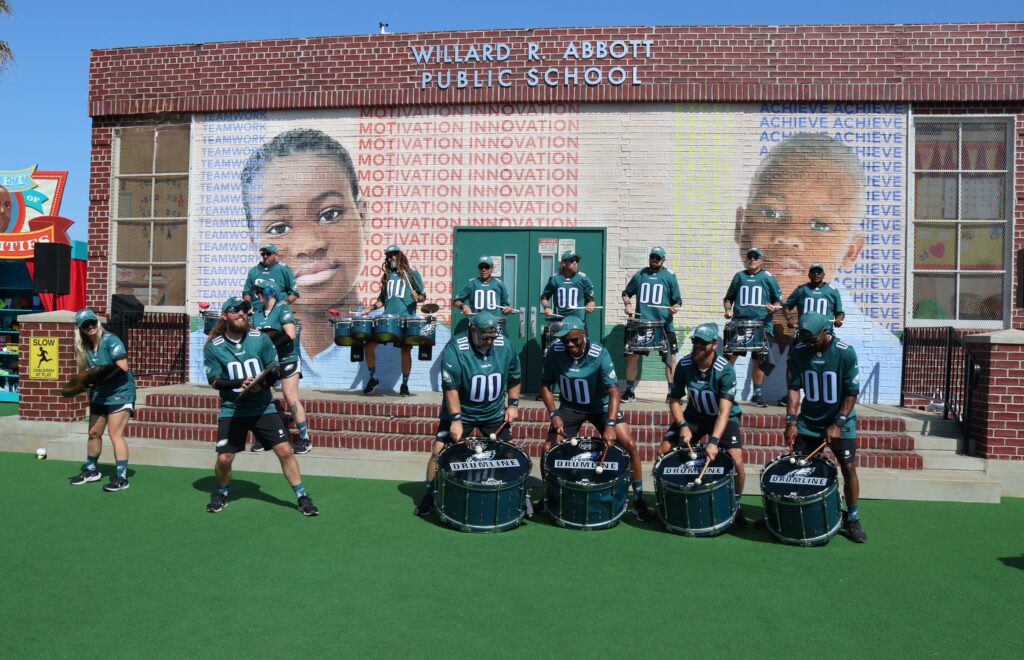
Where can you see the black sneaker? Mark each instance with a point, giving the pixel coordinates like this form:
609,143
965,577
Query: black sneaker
740,521
855,532
758,401
217,503
306,506
370,385
302,446
404,390
781,402
640,511
426,505
257,446
85,476
628,396
116,483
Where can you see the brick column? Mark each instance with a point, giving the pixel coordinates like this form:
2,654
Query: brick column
41,399
999,396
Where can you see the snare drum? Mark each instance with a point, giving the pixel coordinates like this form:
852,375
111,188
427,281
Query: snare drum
577,496
387,328
209,320
742,335
547,336
343,332
643,336
686,508
482,492
362,328
801,504
418,331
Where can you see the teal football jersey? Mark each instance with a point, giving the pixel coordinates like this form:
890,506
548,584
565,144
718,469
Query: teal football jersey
121,388
223,358
280,316
748,293
825,377
582,384
481,379
278,276
486,296
397,293
823,300
704,390
654,288
563,292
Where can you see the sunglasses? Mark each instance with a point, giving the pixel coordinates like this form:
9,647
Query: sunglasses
233,310
572,341
654,257
488,337
753,257
807,337
484,267
266,254
89,324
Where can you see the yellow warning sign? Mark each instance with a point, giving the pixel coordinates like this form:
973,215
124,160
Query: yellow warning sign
42,358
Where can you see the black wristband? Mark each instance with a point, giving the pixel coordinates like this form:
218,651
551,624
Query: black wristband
677,426
553,413
455,417
841,420
610,422
513,402
713,440
790,418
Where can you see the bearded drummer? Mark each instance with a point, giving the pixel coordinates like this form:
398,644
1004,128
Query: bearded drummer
477,367
588,393
754,294
708,382
657,299
825,368
235,357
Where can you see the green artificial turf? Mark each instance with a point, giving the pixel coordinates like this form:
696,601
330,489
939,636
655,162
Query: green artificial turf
147,573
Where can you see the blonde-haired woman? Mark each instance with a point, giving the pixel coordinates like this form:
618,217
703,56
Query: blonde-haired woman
111,402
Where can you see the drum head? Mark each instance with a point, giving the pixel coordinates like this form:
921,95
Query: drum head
577,464
498,463
781,478
678,469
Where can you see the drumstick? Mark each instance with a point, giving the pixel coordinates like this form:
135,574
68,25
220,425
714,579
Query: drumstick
667,307
803,461
600,464
700,477
578,308
497,432
689,448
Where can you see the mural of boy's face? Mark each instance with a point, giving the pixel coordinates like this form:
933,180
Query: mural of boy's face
5,208
803,213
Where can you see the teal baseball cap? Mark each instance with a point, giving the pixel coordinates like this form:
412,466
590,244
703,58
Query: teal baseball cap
815,267
269,248
658,252
706,332
811,325
392,248
569,255
484,321
568,325
485,260
85,315
756,251
235,302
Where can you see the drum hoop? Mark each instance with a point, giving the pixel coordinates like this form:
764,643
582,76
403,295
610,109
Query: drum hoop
802,500
702,531
811,541
466,527
611,522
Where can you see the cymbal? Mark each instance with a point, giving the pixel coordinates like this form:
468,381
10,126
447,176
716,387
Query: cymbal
82,381
430,308
257,384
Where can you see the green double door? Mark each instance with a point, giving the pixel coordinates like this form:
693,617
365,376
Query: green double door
524,259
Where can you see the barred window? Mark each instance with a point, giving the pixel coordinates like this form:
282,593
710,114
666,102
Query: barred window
961,235
150,214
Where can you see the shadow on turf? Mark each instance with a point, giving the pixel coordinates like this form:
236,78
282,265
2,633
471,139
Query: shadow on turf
240,489
1013,562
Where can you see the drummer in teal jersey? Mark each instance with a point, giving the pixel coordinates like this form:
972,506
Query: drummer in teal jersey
754,294
588,393
708,382
477,367
658,299
234,355
270,272
401,288
484,293
568,292
825,368
277,318
815,296
111,403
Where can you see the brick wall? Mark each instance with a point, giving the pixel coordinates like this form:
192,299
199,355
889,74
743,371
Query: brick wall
157,348
41,399
999,401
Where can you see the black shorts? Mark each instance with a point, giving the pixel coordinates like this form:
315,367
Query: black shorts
732,437
103,410
485,429
574,420
289,369
844,449
268,430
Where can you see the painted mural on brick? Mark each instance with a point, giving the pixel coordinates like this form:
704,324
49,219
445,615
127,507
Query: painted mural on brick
29,204
816,182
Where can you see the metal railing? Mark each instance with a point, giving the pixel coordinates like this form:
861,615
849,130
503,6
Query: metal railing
937,366
157,345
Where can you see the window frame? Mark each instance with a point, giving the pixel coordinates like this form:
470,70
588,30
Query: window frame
1009,204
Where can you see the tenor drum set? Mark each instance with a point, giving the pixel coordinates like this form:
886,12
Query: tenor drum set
355,331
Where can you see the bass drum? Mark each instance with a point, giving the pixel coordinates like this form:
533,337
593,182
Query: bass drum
707,509
801,503
482,491
577,497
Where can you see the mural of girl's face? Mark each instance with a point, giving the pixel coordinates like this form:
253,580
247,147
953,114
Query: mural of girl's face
6,206
811,214
310,214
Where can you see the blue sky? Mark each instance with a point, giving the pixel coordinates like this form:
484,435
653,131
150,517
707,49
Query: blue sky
43,95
